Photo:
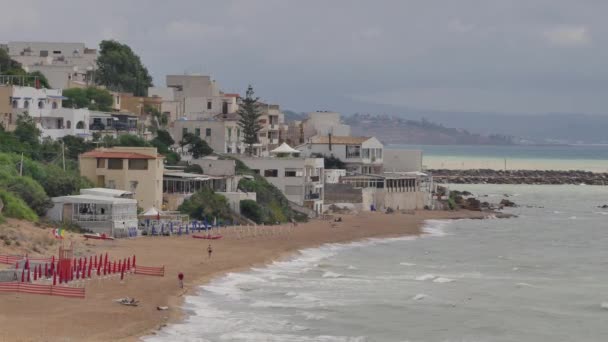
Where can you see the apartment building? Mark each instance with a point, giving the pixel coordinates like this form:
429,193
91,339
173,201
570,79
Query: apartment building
65,65
138,170
7,119
299,179
360,154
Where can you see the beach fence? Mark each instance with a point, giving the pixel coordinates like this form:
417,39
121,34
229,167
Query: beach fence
150,271
49,290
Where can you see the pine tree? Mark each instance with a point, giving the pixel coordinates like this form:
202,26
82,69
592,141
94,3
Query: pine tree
249,121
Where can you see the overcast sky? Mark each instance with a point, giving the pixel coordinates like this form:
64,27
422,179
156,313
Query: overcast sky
517,56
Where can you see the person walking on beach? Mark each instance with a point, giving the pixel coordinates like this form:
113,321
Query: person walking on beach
209,251
180,276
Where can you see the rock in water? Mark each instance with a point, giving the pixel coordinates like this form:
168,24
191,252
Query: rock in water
506,203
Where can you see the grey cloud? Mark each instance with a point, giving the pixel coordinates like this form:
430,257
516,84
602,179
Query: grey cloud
486,55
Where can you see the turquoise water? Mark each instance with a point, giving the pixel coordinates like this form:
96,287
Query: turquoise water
539,277
517,157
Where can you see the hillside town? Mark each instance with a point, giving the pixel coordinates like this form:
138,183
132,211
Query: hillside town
214,141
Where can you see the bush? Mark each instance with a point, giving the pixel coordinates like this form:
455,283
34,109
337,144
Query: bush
29,190
274,204
206,204
15,207
252,210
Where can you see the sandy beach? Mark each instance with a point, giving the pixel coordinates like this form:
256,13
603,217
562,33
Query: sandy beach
26,317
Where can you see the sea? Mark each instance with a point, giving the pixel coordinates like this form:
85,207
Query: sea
513,157
542,276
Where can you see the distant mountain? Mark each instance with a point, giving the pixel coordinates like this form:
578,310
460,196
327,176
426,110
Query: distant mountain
395,130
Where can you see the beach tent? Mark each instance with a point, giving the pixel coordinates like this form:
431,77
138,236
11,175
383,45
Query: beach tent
284,148
152,212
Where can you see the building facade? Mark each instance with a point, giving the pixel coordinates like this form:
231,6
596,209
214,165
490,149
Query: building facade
316,124
360,154
7,119
134,169
63,64
299,179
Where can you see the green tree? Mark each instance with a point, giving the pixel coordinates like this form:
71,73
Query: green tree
74,146
9,66
197,146
120,69
91,98
26,131
252,210
250,119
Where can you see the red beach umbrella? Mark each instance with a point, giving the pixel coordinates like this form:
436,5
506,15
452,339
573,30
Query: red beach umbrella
128,263
23,275
29,279
17,265
54,279
106,258
90,267
46,270
27,264
133,261
119,265
114,270
122,273
95,260
35,273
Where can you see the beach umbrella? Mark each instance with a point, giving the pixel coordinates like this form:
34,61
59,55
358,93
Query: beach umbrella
78,273
128,263
90,267
134,260
114,269
17,265
23,275
91,260
46,270
27,264
122,273
98,270
35,274
60,277
119,264
52,259
28,276
106,258
54,279
95,260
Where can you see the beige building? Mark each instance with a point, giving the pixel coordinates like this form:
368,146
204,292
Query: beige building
221,133
7,119
135,169
317,123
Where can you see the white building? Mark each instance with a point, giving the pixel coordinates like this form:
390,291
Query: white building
299,179
397,160
360,154
101,213
65,65
45,106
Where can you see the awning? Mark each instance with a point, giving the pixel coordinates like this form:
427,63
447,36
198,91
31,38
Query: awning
284,148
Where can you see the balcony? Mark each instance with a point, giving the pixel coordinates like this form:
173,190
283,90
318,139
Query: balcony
314,179
273,127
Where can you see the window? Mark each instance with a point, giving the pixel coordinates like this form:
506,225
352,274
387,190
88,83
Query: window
353,151
209,105
229,133
15,104
44,53
207,132
117,100
115,164
294,172
101,163
26,104
41,104
54,105
111,184
271,173
256,171
184,131
57,52
197,132
68,124
225,108
80,125
138,164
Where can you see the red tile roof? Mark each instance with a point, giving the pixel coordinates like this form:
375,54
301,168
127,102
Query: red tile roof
118,155
232,95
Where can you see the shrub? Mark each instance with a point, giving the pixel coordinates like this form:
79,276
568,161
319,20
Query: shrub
252,210
206,204
29,190
15,207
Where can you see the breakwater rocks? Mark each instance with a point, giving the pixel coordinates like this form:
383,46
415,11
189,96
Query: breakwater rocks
484,176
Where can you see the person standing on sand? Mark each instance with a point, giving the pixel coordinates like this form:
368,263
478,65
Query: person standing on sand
209,251
180,276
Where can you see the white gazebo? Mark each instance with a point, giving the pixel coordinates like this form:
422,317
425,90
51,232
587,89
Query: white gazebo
285,149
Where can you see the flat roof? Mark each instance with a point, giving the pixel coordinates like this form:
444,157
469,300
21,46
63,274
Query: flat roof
105,192
93,199
118,155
